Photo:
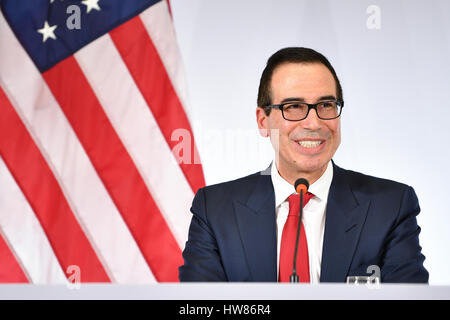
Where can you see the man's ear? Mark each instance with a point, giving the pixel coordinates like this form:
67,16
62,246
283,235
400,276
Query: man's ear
262,121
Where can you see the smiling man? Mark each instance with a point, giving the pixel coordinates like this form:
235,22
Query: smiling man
306,143
352,224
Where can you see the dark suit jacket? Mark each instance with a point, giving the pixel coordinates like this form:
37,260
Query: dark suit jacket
369,221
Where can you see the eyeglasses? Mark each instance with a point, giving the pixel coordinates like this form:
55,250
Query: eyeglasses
296,111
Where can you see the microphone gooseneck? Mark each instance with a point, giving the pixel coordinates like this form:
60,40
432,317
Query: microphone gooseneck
301,186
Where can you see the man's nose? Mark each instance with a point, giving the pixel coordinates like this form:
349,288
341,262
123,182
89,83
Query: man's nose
312,121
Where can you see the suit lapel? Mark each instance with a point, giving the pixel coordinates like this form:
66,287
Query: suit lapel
257,228
345,217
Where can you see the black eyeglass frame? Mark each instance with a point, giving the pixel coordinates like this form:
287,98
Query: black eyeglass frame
310,106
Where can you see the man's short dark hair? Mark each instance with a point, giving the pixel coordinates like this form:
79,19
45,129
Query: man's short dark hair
291,55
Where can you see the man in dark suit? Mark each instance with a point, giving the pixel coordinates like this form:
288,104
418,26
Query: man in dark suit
352,223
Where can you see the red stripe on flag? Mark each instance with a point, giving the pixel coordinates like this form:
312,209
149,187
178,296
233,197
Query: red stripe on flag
115,168
10,270
43,193
168,6
148,71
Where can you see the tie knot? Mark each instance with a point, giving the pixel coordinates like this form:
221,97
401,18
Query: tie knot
294,202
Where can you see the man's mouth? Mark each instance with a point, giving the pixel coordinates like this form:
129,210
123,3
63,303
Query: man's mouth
310,143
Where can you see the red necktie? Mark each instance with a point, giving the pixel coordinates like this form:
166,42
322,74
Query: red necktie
288,242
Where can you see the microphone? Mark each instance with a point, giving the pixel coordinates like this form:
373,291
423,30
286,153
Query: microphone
301,186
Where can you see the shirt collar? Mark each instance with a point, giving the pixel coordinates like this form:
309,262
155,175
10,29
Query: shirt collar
284,189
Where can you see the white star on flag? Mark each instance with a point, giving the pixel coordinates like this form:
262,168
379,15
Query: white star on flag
47,31
91,4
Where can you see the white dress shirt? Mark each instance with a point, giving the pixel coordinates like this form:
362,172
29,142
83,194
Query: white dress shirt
313,216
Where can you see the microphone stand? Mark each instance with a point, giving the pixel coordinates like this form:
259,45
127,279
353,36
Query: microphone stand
294,277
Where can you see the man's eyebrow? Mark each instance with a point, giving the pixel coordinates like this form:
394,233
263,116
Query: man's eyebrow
330,97
299,99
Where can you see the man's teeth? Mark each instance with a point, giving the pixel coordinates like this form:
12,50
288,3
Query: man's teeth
309,144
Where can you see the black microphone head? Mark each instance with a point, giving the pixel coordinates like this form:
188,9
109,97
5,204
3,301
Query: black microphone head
301,184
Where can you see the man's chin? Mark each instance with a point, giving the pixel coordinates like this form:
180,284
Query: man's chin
315,168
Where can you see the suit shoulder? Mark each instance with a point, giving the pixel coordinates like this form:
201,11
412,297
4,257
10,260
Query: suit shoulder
230,187
369,183
215,201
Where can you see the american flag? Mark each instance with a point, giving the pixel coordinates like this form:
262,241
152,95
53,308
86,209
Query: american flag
95,142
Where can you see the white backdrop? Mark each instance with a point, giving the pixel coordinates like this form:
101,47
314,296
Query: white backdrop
392,58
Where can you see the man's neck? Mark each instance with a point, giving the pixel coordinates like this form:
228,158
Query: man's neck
292,175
